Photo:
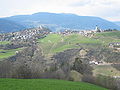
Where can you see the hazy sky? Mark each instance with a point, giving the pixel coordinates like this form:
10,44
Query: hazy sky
108,9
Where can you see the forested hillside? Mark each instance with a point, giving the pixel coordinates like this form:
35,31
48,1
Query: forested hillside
59,22
9,26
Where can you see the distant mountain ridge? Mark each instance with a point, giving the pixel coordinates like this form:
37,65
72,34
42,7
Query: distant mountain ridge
118,23
8,26
61,21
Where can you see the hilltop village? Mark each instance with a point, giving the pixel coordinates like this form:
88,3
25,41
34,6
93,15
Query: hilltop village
35,33
40,53
41,32
32,33
87,33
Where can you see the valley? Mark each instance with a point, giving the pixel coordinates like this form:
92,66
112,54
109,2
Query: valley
40,53
60,45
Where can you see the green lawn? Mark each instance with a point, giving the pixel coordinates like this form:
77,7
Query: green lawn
45,84
8,53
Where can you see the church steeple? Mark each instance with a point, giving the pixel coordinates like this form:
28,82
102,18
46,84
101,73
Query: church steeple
97,29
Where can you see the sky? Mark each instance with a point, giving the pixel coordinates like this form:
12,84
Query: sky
107,9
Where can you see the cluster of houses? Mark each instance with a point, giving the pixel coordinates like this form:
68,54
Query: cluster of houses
115,46
95,62
29,33
25,34
88,33
35,32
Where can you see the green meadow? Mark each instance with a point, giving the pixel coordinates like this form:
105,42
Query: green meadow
45,84
54,43
8,53
108,37
106,70
115,34
4,42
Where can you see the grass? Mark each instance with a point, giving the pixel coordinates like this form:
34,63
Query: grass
106,70
8,53
45,84
54,43
108,37
115,34
4,42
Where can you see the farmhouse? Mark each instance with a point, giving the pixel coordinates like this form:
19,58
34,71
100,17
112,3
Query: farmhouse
95,62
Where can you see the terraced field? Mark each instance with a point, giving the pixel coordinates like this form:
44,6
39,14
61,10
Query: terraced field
45,84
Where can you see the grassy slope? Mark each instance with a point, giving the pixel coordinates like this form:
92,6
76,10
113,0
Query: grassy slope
56,43
4,42
107,70
108,37
115,34
45,84
8,53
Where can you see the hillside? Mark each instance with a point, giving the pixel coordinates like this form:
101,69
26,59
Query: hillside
108,37
8,53
57,43
4,42
118,23
45,84
114,34
65,56
57,22
9,26
10,43
54,43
